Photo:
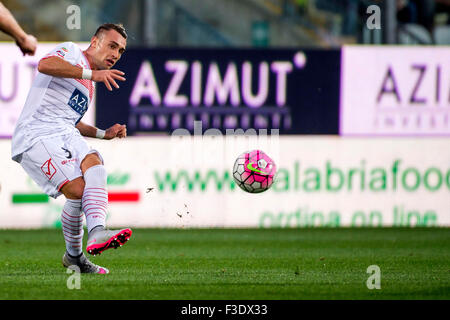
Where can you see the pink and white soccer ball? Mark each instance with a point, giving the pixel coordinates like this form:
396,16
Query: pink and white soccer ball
254,171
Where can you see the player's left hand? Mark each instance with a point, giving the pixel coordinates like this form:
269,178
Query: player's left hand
116,131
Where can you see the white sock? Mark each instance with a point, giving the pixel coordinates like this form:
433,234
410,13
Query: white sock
72,226
95,197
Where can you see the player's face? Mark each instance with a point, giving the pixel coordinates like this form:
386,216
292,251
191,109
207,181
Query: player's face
109,47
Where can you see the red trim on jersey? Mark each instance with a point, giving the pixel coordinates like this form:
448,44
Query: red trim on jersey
89,85
62,184
86,60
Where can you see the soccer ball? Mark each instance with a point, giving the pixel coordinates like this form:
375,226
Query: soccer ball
254,171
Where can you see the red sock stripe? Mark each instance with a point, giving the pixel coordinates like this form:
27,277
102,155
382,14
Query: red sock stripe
74,224
73,242
103,193
70,234
77,221
77,230
95,208
72,239
77,217
73,232
95,198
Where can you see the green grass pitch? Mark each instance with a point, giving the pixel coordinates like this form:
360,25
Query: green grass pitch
236,264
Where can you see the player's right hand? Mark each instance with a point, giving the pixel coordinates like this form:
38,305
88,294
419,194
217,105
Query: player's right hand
116,131
108,77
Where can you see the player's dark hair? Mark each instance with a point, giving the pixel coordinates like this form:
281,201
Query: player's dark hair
112,26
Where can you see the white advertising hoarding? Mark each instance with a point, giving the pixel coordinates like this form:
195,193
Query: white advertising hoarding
395,91
16,75
321,181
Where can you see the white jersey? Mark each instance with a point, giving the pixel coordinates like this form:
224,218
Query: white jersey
54,105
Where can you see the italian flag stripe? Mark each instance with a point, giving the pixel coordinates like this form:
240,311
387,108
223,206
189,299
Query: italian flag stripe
115,196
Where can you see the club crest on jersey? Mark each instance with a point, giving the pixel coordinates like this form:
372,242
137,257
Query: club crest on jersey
78,102
48,169
61,53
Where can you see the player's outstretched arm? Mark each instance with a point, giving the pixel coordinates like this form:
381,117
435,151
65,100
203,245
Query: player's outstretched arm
116,131
26,42
57,67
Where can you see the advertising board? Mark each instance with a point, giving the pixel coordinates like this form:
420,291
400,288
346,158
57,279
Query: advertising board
295,91
321,181
395,91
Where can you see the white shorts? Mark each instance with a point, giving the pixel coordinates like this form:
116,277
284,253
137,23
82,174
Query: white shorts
53,162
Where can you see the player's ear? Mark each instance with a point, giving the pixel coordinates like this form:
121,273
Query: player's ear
94,42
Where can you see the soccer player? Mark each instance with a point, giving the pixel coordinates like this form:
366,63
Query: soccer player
48,141
26,42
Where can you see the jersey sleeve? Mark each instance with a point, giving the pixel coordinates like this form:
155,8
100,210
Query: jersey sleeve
68,51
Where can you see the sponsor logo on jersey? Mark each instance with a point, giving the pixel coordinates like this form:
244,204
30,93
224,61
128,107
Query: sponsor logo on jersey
78,102
68,161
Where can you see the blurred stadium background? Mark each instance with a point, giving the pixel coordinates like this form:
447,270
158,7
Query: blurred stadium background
248,23
363,129
359,92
